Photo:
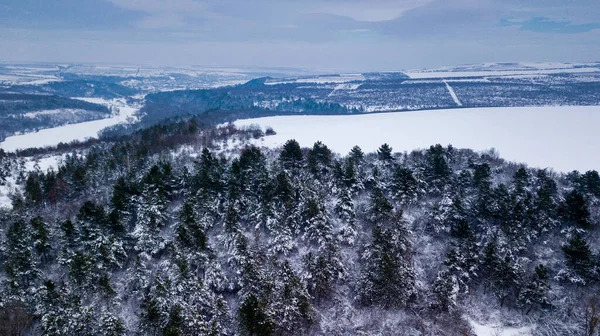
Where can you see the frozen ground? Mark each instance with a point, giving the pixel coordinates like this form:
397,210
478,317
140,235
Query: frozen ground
484,330
68,133
486,73
561,137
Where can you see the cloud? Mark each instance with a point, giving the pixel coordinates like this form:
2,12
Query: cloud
160,6
368,11
546,25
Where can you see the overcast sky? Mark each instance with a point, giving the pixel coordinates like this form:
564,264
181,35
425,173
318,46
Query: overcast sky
334,35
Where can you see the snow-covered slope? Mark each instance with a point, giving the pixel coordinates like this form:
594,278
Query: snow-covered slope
563,137
67,133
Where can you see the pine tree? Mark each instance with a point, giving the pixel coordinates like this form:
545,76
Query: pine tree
387,278
317,226
521,179
291,155
445,290
536,291
344,209
384,153
40,236
380,208
579,258
33,189
404,185
506,281
438,169
357,155
190,234
292,308
175,323
254,318
319,160
575,209
19,265
111,325
323,270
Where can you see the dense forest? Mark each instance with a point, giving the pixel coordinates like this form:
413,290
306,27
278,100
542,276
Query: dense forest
376,92
181,229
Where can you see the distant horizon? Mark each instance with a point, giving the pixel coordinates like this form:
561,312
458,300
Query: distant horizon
308,71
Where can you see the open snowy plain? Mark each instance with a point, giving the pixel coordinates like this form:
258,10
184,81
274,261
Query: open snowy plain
564,138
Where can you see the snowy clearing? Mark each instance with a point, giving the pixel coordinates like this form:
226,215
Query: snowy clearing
50,112
451,74
68,133
484,330
560,137
324,79
453,94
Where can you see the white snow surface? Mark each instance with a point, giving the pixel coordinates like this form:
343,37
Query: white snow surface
454,74
453,94
485,330
563,138
323,79
78,131
50,112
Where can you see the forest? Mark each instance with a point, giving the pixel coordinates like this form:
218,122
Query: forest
188,229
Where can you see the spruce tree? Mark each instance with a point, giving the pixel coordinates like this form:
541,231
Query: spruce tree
579,257
384,153
19,264
536,291
387,278
575,209
254,318
291,155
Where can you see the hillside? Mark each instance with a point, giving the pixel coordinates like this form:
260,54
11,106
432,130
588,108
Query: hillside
183,229
20,113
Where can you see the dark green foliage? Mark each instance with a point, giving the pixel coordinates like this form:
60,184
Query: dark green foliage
387,279
384,153
579,256
575,209
253,317
521,179
319,159
438,169
176,324
536,291
443,291
482,177
404,184
461,230
291,154
506,280
134,223
380,207
18,262
33,189
356,154
189,232
40,236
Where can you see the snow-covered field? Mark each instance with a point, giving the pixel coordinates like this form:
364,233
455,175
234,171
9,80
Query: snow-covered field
68,133
324,79
454,74
484,330
560,137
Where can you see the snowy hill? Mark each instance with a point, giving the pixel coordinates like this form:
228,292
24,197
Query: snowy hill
187,229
